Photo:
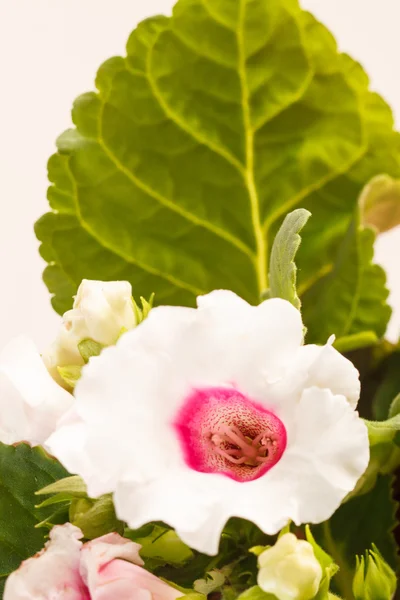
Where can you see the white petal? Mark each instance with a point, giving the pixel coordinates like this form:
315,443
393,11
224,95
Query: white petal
30,401
327,368
184,499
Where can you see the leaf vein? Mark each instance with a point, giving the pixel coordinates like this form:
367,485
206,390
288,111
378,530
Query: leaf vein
201,139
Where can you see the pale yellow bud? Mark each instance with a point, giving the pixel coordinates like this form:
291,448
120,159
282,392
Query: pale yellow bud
101,311
289,569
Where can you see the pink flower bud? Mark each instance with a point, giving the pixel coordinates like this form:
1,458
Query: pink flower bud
104,569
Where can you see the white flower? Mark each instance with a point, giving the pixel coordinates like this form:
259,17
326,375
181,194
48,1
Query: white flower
30,401
289,570
102,310
201,414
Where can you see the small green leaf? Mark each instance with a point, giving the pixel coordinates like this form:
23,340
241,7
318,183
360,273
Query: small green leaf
89,348
73,485
282,271
22,470
70,374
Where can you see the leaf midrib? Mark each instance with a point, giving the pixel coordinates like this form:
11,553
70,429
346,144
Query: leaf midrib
260,238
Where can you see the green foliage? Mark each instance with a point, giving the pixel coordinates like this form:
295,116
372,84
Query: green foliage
351,298
234,560
218,122
161,545
95,517
22,471
359,523
389,385
282,273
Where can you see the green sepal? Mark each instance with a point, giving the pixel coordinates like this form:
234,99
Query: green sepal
141,313
257,550
89,348
394,409
95,517
328,565
256,593
70,374
373,579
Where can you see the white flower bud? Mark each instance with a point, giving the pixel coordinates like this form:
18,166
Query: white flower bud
101,311
289,570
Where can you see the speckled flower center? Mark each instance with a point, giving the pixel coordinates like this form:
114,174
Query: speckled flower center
223,431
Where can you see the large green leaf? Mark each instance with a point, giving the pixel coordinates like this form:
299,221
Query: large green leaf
220,120
23,471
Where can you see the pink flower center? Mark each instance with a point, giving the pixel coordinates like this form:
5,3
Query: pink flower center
223,431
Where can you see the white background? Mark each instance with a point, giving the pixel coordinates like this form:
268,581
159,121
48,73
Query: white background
49,53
